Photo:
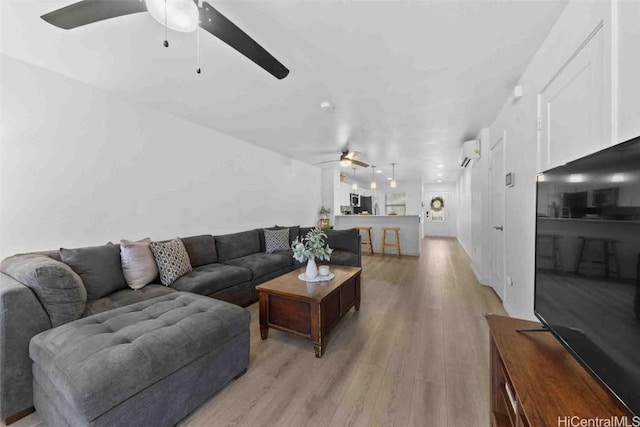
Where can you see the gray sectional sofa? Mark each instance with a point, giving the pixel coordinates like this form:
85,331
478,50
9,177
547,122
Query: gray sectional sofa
40,295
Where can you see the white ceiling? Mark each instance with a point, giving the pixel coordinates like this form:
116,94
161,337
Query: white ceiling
409,80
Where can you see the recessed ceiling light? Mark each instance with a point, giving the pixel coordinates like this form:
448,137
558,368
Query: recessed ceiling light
379,171
326,105
389,178
440,166
439,174
439,180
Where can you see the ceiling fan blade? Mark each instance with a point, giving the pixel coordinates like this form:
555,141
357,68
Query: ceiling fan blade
359,163
352,154
324,163
217,24
90,11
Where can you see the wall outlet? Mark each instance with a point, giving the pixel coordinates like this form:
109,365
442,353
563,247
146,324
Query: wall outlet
509,280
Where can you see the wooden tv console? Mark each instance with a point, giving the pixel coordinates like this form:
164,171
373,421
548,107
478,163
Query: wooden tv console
546,383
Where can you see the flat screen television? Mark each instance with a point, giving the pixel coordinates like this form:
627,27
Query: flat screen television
587,285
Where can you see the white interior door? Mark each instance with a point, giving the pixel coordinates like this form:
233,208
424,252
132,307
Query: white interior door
438,221
497,205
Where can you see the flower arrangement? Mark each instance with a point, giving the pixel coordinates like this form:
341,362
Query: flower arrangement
311,246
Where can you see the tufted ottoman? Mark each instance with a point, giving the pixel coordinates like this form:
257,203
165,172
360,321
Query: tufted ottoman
146,364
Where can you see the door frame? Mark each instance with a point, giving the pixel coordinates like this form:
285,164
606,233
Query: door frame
502,287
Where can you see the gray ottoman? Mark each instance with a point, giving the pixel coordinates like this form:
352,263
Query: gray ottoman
146,364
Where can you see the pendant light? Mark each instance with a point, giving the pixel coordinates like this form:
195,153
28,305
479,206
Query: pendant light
354,186
373,178
394,184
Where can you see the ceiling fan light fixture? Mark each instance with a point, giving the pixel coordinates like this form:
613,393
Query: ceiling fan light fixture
181,15
345,163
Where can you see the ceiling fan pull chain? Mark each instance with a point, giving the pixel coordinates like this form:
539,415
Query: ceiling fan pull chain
166,42
198,46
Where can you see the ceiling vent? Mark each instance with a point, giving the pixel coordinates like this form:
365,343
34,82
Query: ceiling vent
470,151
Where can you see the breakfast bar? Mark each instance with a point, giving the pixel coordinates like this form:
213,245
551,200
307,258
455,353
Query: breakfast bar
410,230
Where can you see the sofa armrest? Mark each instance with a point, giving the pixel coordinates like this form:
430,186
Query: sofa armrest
21,317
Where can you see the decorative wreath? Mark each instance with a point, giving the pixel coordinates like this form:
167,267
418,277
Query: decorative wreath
437,203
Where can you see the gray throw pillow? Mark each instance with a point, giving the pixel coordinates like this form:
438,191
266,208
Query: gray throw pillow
99,267
57,286
276,240
172,260
138,264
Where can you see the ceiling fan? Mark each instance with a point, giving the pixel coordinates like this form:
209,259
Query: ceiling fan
179,15
347,159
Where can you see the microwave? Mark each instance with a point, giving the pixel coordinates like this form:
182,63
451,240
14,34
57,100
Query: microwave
354,200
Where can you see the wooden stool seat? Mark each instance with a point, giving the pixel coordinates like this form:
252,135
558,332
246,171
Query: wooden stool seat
608,257
366,243
396,244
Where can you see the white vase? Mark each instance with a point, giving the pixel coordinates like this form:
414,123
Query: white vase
312,269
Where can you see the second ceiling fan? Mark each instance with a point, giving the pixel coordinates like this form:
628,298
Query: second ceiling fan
179,15
347,158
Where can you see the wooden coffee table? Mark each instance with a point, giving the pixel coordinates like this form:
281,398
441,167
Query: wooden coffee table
309,310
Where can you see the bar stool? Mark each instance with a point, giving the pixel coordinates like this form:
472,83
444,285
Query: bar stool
366,243
609,256
556,253
384,240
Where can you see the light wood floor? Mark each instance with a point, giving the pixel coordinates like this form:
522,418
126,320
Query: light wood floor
415,355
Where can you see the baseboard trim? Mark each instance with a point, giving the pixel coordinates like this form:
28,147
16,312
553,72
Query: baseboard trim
20,415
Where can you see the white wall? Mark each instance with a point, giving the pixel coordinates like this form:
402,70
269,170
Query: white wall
79,166
330,184
621,35
465,209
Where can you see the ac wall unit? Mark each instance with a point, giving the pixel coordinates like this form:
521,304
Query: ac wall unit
470,151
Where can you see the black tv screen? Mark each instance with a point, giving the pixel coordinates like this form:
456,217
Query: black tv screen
587,285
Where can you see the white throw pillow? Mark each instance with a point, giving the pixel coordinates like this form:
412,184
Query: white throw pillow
138,265
172,260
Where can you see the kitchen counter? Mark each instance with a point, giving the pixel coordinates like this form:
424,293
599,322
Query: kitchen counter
410,230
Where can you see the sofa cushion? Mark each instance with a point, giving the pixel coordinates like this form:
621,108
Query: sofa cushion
201,249
343,240
276,240
172,259
344,258
261,263
102,360
236,245
124,297
99,267
210,278
138,265
58,288
302,232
